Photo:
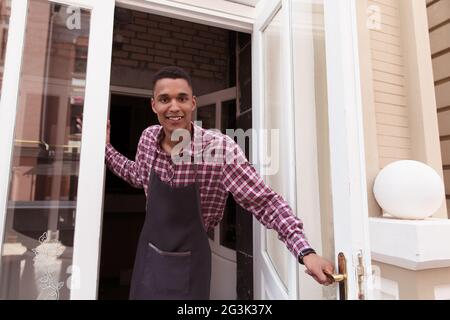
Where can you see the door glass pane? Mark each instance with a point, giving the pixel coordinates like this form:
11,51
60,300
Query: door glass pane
38,243
5,13
311,119
275,119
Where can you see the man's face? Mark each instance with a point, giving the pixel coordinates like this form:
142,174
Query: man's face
173,103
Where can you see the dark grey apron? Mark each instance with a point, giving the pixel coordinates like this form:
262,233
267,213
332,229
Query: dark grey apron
173,259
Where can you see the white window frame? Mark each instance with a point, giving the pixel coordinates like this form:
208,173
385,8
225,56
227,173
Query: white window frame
11,79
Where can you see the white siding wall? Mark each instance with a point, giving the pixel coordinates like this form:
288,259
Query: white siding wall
393,133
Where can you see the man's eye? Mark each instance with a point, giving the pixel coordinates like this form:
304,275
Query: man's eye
163,100
182,99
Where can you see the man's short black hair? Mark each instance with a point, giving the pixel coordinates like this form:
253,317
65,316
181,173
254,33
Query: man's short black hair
171,72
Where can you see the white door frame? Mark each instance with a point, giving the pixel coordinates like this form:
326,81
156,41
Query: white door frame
225,14
346,134
216,98
88,223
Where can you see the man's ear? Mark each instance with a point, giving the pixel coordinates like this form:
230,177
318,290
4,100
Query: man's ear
194,103
152,104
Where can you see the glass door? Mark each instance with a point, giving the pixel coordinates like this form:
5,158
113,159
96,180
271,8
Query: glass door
275,267
310,149
51,182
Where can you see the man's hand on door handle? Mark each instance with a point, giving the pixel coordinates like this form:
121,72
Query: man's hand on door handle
315,265
108,128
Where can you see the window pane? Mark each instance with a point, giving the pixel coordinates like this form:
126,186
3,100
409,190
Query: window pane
40,220
5,13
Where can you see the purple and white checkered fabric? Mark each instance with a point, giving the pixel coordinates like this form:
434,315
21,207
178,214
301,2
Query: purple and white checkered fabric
215,178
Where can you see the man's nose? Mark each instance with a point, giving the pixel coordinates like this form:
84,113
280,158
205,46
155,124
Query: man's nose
174,105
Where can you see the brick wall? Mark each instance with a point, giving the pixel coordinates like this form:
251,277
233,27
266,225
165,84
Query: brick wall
143,43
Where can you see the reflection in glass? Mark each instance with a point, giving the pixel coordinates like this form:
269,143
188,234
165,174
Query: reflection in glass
275,118
5,13
311,118
38,244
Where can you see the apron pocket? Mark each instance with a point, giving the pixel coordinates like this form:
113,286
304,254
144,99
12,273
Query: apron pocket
167,272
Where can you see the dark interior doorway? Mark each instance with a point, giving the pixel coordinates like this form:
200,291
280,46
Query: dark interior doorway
124,205
217,59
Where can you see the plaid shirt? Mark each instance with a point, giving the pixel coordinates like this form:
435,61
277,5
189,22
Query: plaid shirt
215,180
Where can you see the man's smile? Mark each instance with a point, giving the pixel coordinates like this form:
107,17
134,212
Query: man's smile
174,118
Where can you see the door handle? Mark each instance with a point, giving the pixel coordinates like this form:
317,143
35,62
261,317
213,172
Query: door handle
340,277
335,277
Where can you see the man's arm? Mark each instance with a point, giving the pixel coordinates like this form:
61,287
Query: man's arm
249,190
251,193
121,166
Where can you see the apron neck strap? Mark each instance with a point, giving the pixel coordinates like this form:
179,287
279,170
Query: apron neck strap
155,156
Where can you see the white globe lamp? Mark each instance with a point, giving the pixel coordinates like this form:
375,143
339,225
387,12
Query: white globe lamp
409,189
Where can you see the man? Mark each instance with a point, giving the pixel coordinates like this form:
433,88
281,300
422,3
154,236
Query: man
187,198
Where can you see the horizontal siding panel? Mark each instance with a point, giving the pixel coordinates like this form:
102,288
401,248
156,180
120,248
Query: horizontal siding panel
394,152
443,95
384,37
440,38
393,31
444,123
391,109
388,130
387,20
387,57
386,47
386,9
385,161
389,3
389,88
388,67
445,150
392,120
441,67
438,13
388,78
390,99
388,141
